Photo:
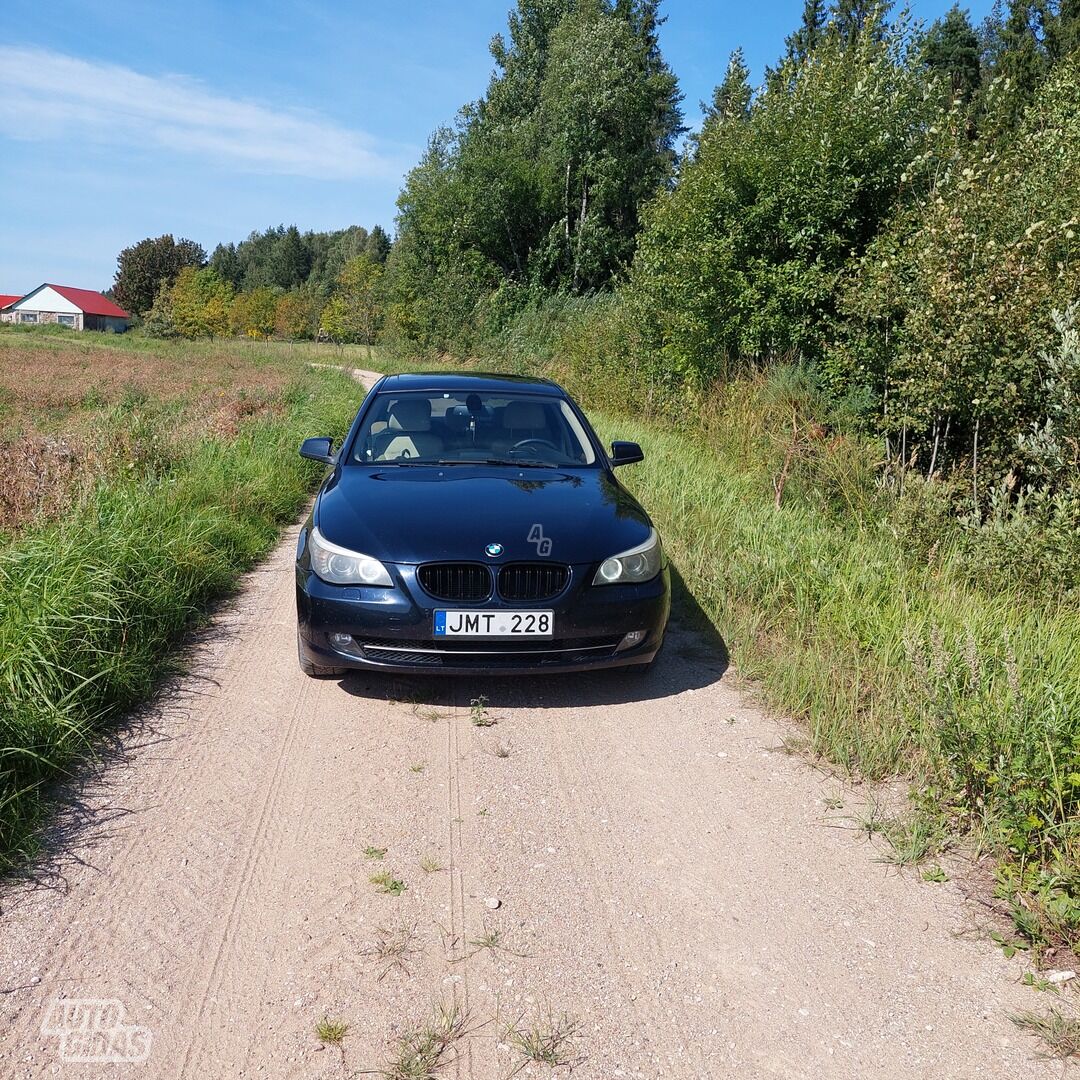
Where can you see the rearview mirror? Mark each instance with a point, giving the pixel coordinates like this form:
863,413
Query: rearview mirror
318,450
625,453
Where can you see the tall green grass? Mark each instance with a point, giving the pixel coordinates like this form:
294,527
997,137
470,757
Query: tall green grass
91,606
897,665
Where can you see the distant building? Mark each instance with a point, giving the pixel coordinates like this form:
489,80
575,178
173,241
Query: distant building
81,309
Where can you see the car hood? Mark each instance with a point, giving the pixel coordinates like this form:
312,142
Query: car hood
417,514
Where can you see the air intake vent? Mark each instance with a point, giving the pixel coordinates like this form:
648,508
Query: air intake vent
456,581
532,581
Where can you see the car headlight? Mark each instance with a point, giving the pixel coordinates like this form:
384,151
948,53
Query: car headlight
641,563
340,566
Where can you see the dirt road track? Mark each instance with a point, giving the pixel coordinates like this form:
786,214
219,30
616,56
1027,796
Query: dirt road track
666,878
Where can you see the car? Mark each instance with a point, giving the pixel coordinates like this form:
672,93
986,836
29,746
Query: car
473,523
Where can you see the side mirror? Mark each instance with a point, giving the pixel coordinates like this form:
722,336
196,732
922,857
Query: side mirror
318,450
625,453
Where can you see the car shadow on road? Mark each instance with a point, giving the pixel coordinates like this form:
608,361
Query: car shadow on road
694,656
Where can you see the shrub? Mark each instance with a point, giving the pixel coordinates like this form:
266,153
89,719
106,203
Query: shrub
741,261
952,306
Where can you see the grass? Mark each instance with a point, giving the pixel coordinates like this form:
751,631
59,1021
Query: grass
93,602
392,949
331,1032
491,940
372,852
423,1052
430,864
545,1039
385,882
912,838
1060,1033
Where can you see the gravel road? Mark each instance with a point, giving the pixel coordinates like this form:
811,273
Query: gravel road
631,870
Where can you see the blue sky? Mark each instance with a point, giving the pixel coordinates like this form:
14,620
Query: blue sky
210,119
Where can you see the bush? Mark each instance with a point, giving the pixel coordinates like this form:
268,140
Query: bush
952,306
742,260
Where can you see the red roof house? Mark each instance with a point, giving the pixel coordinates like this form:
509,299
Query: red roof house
81,309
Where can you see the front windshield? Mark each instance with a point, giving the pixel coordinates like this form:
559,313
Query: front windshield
436,427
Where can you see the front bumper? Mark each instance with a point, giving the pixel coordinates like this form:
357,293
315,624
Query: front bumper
392,629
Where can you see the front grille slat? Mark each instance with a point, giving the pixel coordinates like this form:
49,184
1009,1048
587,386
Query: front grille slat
532,581
463,582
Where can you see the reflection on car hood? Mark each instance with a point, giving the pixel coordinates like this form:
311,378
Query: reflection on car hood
418,514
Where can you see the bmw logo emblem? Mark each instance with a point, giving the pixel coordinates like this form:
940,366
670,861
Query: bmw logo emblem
493,551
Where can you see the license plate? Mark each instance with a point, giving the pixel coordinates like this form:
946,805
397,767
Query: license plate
508,624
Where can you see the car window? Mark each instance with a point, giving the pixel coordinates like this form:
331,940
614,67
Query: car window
421,427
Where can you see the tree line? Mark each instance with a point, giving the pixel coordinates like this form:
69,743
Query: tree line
895,208
280,282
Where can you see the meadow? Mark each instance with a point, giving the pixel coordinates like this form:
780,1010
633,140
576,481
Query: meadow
138,480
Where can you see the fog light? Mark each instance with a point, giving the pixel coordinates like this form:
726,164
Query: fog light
342,642
635,637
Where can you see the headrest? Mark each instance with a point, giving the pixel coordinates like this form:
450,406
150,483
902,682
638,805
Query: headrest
411,414
457,418
528,415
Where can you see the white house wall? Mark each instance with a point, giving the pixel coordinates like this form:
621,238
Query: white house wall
47,299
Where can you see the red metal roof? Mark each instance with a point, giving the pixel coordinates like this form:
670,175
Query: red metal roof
90,302
5,299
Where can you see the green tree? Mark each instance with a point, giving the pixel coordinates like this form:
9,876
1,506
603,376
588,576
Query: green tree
158,321
201,303
355,311
538,185
731,99
290,260
849,19
743,261
378,244
254,313
951,49
142,269
952,308
810,33
1022,58
226,263
297,314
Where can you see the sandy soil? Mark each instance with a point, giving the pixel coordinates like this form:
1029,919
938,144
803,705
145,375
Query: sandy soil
680,895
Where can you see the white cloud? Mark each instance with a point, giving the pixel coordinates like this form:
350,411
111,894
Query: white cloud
48,95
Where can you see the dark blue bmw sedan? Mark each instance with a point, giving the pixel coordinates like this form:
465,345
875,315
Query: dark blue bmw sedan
474,523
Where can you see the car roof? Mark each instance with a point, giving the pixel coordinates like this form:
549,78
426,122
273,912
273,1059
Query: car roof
464,381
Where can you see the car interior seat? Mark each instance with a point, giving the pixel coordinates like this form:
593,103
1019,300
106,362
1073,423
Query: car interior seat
408,432
523,420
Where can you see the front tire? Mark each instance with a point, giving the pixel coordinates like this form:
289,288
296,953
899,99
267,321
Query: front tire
315,671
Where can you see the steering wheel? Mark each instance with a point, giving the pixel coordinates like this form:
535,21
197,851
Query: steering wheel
535,442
